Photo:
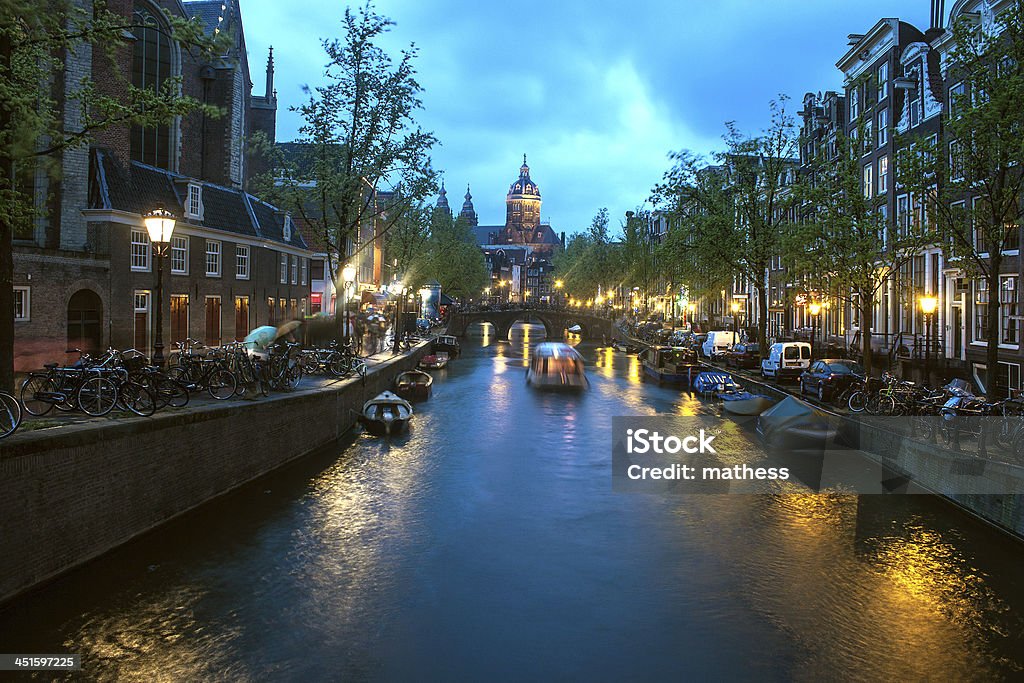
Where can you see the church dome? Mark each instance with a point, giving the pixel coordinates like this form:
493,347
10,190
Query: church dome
523,185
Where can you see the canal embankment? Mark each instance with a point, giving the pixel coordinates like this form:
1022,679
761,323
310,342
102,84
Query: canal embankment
70,494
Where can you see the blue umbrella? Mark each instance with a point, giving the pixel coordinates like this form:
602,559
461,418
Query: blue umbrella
260,338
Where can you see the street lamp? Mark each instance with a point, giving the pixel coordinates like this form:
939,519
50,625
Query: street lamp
735,306
160,226
348,276
814,309
401,289
928,306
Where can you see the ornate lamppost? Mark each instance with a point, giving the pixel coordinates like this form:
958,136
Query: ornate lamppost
814,309
160,226
348,276
735,308
928,305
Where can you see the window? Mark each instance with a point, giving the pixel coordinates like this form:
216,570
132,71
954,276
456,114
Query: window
1008,322
153,63
903,220
956,100
981,310
883,127
883,81
305,271
241,262
140,250
868,181
317,268
22,304
956,161
287,231
868,137
883,175
980,243
854,103
284,269
179,255
241,317
295,269
194,205
142,320
212,258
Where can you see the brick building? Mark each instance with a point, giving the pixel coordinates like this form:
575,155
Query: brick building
83,270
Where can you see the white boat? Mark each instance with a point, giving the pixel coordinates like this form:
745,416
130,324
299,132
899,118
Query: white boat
386,414
575,329
554,365
434,361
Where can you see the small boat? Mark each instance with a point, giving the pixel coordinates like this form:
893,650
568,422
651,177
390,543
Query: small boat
668,364
554,365
625,347
386,414
745,403
795,425
434,361
714,384
448,344
575,329
414,385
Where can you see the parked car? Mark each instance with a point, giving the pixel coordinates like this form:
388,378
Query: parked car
786,360
696,342
718,343
743,356
828,377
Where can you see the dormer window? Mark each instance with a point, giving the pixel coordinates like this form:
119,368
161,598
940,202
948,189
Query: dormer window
287,232
194,202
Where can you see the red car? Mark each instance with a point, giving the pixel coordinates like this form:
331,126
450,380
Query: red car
743,356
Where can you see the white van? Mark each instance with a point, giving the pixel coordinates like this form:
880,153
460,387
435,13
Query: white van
786,360
718,343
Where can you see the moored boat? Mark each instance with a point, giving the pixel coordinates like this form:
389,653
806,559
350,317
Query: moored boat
386,414
745,403
715,384
434,361
414,385
668,364
447,344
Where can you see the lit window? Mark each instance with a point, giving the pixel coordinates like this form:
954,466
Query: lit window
140,250
212,258
179,255
22,304
242,262
868,181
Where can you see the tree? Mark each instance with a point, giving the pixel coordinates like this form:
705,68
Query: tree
406,244
973,179
590,260
743,201
358,136
453,258
34,37
843,247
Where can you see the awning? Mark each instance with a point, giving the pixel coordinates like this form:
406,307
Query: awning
374,298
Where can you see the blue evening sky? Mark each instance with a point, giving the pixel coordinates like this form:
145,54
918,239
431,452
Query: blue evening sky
596,93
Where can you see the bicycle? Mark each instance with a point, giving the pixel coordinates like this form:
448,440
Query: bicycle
10,414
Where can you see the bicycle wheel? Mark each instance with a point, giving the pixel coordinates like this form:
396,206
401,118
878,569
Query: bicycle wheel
856,402
358,366
293,376
171,393
886,406
137,399
222,384
10,414
33,390
97,396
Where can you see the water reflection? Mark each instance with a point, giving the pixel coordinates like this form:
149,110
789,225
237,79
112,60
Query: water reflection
488,544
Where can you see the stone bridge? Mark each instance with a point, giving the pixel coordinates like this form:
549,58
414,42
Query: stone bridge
555,322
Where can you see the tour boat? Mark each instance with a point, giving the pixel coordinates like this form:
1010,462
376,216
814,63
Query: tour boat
554,365
434,361
414,385
386,414
668,364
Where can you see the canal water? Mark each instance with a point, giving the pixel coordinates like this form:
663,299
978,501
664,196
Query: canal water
488,545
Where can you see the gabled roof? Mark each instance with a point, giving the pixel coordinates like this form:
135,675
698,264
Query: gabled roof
139,188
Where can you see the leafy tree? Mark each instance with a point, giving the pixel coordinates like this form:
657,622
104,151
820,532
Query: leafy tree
591,260
973,179
843,248
358,137
743,201
34,37
453,258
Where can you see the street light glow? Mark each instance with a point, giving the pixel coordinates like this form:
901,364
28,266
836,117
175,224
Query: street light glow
928,304
814,308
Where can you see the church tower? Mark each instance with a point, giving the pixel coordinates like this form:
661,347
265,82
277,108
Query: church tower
442,202
468,212
522,206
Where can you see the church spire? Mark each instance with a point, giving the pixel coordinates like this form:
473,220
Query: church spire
442,201
468,211
270,94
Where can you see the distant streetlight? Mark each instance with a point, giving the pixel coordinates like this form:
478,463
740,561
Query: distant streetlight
814,309
160,226
735,306
928,305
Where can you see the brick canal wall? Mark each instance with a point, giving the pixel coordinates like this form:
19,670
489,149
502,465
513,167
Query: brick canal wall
73,493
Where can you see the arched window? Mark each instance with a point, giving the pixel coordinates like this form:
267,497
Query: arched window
153,62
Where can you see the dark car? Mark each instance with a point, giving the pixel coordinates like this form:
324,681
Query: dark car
828,377
696,342
743,356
